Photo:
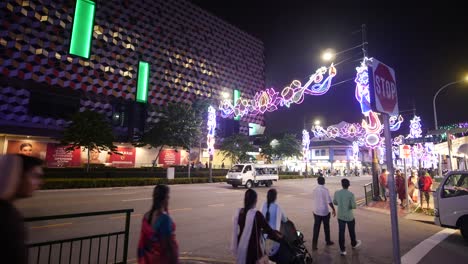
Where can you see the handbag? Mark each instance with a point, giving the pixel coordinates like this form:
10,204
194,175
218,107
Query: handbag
264,259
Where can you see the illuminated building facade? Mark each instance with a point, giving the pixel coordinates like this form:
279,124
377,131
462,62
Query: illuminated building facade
124,59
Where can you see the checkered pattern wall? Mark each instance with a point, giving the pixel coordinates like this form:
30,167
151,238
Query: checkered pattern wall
191,52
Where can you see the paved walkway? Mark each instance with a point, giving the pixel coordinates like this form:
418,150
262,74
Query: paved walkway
414,212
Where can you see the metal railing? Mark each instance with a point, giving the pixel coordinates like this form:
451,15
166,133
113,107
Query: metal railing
67,251
368,194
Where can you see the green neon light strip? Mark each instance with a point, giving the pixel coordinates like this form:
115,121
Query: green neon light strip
143,82
82,32
236,96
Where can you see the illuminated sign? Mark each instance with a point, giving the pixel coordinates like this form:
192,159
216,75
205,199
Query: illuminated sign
82,32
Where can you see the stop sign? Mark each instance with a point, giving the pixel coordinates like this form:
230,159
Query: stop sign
383,86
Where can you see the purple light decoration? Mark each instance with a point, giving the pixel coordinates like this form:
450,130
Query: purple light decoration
373,127
305,144
319,131
355,151
395,122
418,151
268,100
333,132
415,128
398,140
362,87
352,131
211,124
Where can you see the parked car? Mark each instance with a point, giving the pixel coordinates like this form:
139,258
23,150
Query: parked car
451,202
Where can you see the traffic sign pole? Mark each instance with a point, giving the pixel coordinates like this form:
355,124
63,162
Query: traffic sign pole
406,183
391,187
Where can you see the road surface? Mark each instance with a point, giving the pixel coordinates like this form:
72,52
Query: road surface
203,215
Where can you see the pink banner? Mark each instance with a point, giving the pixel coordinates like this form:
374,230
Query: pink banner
169,157
125,160
58,157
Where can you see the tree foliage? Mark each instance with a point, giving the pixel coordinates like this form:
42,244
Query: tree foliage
236,147
89,130
287,146
179,126
268,149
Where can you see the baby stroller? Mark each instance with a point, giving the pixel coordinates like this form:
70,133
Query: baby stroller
292,248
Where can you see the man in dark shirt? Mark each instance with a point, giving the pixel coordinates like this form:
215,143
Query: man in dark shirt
20,176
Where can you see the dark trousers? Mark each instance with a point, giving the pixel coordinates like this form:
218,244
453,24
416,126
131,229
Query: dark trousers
352,233
326,226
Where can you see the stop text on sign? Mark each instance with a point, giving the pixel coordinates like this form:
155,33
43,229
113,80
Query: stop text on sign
385,88
382,89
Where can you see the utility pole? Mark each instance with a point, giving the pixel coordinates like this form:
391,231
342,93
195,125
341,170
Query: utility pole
375,161
391,180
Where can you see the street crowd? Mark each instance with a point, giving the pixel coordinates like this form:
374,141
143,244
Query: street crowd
418,190
258,236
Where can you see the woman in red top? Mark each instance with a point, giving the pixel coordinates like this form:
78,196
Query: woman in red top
157,239
426,185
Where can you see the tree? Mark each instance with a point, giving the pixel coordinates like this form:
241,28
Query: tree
288,146
179,126
268,149
91,131
236,147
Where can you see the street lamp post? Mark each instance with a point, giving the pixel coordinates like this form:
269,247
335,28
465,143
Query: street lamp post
437,125
434,100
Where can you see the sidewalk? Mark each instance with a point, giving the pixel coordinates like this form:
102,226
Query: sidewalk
412,213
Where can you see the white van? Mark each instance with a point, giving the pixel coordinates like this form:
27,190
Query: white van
250,175
451,202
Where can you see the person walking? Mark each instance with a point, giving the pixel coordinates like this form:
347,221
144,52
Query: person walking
346,202
248,225
20,176
413,191
322,200
274,215
158,242
400,188
383,183
425,183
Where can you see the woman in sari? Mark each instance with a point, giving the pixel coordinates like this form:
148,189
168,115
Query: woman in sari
247,229
157,239
274,215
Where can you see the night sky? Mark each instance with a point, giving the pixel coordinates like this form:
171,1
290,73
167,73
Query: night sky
427,46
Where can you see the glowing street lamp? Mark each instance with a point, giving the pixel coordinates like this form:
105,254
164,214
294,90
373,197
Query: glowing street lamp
328,55
225,95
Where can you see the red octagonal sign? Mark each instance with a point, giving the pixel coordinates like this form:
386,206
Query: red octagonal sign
384,88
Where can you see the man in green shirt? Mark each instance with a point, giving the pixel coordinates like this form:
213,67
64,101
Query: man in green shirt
346,202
